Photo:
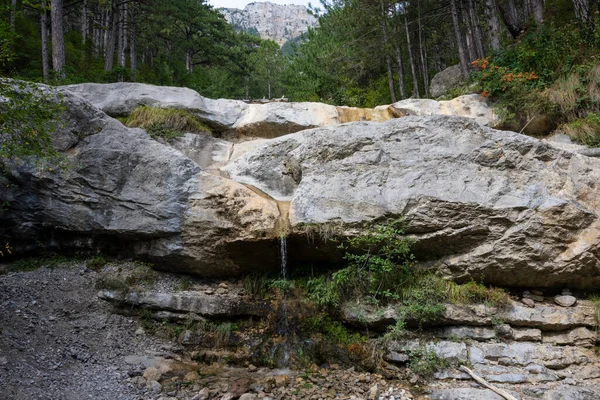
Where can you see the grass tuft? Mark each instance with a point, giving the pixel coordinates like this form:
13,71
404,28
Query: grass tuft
585,131
165,123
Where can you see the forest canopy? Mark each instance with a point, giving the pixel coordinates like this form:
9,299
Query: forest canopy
364,52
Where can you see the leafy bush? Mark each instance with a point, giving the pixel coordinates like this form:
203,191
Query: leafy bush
164,123
323,291
496,79
28,115
333,330
379,262
425,362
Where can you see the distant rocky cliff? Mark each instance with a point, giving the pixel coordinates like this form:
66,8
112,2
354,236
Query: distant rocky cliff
280,23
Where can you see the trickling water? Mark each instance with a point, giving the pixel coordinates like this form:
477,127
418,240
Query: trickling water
284,315
283,247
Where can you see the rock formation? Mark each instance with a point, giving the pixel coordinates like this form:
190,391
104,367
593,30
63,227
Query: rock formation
277,22
480,203
240,121
444,81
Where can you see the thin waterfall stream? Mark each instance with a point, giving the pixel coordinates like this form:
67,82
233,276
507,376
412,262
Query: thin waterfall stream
284,314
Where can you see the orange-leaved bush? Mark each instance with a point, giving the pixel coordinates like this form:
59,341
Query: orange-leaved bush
496,79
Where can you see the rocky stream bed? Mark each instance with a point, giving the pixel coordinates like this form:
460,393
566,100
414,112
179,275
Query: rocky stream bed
60,339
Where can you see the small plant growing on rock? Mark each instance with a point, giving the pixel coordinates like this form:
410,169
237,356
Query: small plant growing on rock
379,261
425,362
167,124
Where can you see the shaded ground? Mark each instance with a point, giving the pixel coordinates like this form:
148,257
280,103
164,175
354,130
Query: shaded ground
59,341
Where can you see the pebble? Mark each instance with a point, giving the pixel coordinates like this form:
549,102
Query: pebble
565,300
154,386
528,302
152,374
533,297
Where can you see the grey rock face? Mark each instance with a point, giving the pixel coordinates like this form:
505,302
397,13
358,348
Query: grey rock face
121,98
212,306
479,202
517,315
119,185
446,80
272,21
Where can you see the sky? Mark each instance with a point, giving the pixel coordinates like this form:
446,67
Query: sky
242,3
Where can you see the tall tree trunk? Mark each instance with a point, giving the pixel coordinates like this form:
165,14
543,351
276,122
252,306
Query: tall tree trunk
132,55
13,14
464,64
423,52
112,37
585,18
107,29
413,69
84,21
189,64
44,33
468,32
388,60
538,10
508,12
400,63
122,35
476,29
390,75
58,41
269,81
492,18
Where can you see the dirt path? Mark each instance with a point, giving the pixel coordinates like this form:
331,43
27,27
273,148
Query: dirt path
59,341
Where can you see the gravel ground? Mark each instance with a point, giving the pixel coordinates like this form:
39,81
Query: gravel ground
59,341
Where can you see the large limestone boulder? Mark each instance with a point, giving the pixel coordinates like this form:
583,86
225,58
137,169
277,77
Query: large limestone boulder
121,98
472,106
481,203
444,81
276,119
125,193
239,121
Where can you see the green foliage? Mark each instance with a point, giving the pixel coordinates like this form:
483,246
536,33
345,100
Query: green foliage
34,263
256,286
165,123
96,263
476,293
323,291
379,262
424,361
552,73
282,285
333,330
8,39
28,115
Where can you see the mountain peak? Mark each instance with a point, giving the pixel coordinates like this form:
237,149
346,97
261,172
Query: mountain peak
277,22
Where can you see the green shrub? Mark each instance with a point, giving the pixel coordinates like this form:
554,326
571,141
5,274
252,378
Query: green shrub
425,362
333,330
379,262
256,286
585,131
323,291
96,263
165,123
